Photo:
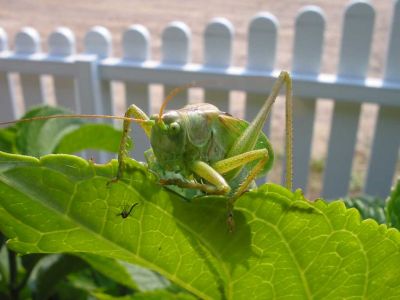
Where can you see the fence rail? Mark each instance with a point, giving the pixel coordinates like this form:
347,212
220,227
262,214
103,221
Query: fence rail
82,81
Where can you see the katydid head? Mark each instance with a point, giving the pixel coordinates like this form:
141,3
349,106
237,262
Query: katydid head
168,139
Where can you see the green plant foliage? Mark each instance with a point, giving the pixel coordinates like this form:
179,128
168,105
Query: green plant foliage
7,140
68,136
283,246
369,207
42,137
125,273
90,136
156,295
393,206
50,271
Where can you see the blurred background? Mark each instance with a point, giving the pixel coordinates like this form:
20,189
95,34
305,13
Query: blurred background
117,15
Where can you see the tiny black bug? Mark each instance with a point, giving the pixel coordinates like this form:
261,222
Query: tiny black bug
125,212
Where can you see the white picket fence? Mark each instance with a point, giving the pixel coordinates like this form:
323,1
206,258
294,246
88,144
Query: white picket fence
83,81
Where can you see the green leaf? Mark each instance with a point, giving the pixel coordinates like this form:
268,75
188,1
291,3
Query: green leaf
90,136
7,139
126,274
41,137
156,295
4,271
50,271
369,207
283,246
29,261
393,206
67,291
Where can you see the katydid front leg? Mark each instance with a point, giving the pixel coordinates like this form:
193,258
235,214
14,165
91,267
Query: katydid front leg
132,112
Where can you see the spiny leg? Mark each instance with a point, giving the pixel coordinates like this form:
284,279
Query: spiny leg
243,188
248,139
208,173
206,188
217,186
234,162
132,112
231,163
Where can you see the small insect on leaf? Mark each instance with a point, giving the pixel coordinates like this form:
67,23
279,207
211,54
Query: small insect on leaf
126,212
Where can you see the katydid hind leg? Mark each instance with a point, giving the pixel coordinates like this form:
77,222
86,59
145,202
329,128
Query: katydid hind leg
244,186
248,138
240,160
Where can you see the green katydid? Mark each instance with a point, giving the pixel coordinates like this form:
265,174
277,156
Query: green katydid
198,147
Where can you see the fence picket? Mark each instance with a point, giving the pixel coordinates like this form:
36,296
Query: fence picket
89,76
98,42
62,45
27,42
308,43
218,55
176,52
261,45
261,53
386,142
354,56
135,44
3,40
7,100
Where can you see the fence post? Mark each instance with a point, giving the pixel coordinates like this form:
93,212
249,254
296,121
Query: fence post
308,43
218,55
354,56
27,43
386,142
88,85
7,99
62,45
176,52
98,42
135,43
261,53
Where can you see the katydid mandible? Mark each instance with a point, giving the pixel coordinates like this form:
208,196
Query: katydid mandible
200,148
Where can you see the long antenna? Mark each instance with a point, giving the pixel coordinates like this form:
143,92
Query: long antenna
171,95
82,116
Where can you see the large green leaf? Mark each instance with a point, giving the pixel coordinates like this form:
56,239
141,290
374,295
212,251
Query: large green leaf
50,271
393,206
41,137
91,136
368,206
156,295
58,135
7,139
125,273
283,246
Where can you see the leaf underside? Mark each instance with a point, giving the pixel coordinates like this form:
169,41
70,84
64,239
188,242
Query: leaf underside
283,245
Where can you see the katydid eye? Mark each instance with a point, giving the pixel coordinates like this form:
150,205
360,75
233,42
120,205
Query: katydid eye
174,127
